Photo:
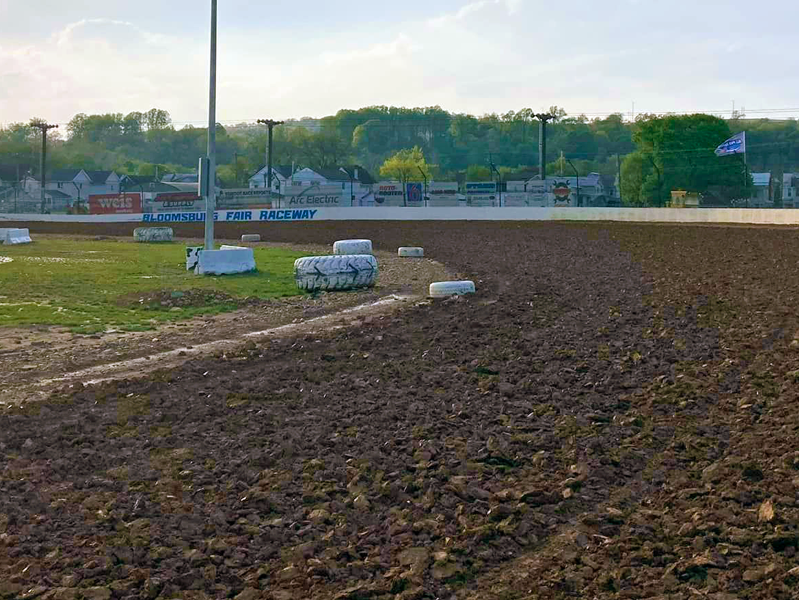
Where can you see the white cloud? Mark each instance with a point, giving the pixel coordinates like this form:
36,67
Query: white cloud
466,11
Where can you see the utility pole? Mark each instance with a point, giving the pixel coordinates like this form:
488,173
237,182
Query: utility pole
43,127
210,198
543,119
270,124
618,169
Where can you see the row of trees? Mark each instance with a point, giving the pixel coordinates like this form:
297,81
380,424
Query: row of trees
659,153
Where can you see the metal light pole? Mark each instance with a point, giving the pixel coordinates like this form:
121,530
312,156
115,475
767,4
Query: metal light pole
425,183
499,182
210,198
578,180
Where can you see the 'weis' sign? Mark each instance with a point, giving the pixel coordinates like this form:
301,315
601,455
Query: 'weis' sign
114,204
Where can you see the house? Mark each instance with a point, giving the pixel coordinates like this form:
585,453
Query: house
281,174
761,195
77,184
10,175
790,190
354,181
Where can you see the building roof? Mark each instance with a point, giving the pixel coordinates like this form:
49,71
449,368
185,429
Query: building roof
56,194
64,174
9,172
364,176
524,175
180,178
761,179
99,177
283,170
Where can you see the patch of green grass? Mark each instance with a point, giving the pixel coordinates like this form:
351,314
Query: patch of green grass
91,286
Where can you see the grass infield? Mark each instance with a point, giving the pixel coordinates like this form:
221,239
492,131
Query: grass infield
91,286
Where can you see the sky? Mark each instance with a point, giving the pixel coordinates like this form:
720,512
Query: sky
281,59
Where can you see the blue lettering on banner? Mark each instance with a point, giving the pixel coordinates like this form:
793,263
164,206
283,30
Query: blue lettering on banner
175,217
233,215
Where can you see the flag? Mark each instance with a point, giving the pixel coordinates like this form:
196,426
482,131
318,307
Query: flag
735,145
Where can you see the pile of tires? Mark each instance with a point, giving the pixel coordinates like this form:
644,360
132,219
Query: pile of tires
335,273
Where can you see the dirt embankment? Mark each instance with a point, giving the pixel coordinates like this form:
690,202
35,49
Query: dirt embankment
611,416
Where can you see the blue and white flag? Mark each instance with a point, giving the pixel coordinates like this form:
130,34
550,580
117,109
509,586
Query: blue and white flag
735,145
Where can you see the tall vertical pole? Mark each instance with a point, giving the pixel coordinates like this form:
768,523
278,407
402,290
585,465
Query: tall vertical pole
270,125
16,188
542,143
43,127
618,170
210,199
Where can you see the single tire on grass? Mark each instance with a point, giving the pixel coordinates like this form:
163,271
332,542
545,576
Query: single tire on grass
444,289
410,252
333,273
251,237
352,247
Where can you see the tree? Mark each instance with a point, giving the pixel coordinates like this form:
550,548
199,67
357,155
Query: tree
677,153
405,165
478,173
156,118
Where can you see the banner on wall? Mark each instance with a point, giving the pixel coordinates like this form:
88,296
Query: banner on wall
115,204
177,201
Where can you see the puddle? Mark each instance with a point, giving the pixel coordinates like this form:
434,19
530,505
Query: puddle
135,366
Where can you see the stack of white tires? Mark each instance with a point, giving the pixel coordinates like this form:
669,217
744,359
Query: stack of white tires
335,273
352,247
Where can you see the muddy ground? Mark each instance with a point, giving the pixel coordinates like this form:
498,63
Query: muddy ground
613,415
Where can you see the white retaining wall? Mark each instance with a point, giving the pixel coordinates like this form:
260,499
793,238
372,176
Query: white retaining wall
749,216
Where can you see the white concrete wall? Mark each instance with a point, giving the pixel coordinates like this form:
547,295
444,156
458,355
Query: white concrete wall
653,215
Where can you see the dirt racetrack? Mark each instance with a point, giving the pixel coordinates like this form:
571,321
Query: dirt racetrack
613,415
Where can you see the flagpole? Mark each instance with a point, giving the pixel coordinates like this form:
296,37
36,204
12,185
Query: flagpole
746,174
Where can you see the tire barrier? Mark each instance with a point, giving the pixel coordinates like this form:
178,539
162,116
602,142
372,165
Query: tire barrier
192,257
15,236
251,237
338,272
444,289
153,234
225,262
352,247
410,252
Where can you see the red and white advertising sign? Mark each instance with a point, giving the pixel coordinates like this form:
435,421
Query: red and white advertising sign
115,204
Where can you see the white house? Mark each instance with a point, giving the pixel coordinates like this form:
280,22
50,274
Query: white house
761,195
281,176
77,184
355,182
790,187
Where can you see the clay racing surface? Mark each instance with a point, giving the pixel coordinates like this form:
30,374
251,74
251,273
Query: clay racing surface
613,415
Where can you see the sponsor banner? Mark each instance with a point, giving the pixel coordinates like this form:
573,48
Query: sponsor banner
388,193
480,187
177,201
482,200
295,196
115,204
414,194
442,189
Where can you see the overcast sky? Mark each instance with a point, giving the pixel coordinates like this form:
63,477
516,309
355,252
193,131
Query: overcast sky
284,59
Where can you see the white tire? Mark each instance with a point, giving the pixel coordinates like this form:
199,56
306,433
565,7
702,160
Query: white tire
153,234
444,289
330,273
251,237
410,252
352,247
